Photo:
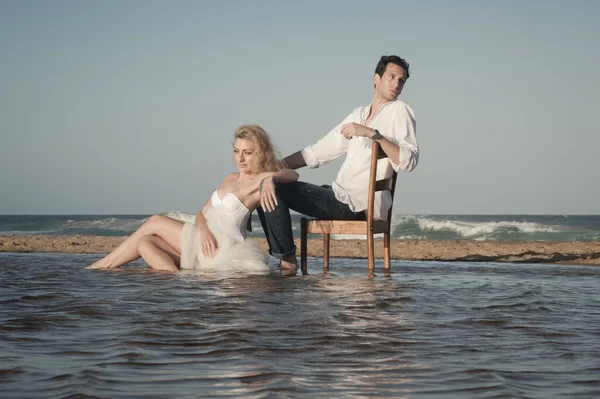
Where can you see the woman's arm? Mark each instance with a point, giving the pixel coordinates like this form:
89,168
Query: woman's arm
200,219
208,242
266,187
281,176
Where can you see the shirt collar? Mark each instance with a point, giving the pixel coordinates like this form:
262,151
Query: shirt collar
367,110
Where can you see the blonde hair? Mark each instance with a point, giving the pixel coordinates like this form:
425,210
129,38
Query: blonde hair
269,159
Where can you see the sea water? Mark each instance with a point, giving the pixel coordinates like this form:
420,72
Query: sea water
420,227
425,330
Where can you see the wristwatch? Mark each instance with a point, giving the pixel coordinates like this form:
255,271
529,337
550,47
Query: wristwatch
376,135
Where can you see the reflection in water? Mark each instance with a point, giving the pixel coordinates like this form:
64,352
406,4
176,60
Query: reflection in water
423,330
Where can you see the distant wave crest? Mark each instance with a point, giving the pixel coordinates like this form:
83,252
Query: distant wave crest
407,227
496,228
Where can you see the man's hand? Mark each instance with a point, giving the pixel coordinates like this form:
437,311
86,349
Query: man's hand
352,129
268,200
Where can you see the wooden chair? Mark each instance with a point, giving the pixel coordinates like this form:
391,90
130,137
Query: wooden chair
368,227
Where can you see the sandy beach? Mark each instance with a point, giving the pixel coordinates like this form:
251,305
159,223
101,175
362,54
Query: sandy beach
581,253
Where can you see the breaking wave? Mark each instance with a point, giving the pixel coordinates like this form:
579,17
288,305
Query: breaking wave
407,227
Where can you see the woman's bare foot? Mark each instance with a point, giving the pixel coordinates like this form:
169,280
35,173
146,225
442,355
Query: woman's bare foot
99,265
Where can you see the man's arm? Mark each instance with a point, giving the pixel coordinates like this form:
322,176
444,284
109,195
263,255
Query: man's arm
356,129
404,155
323,151
391,150
404,133
294,161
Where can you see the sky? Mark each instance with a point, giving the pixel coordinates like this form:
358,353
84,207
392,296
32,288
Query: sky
129,107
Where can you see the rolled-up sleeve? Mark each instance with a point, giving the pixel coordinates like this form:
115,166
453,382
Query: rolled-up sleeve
404,128
327,149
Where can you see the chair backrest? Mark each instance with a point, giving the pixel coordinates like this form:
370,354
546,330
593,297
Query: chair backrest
379,185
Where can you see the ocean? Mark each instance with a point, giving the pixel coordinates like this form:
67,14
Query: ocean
426,330
525,228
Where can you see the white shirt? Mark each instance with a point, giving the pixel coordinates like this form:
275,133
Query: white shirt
396,121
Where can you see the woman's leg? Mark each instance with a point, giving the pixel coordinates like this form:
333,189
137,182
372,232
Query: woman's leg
166,228
158,254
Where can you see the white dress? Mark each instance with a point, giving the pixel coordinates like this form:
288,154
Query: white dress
226,219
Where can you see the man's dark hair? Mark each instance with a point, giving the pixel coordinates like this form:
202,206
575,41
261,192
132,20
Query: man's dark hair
394,59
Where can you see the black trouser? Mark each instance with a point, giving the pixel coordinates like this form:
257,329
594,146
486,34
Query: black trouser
308,199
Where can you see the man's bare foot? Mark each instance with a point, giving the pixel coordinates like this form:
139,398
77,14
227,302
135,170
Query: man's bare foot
289,266
288,272
289,263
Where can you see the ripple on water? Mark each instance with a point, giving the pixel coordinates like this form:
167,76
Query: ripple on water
426,330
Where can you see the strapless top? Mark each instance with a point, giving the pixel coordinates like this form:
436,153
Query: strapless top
226,218
233,210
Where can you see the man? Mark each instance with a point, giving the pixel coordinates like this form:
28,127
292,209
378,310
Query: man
387,120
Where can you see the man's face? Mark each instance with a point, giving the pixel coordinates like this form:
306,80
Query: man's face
390,85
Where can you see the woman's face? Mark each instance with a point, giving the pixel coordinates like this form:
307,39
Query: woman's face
244,155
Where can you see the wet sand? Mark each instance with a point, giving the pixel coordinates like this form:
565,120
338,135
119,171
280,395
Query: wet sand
582,253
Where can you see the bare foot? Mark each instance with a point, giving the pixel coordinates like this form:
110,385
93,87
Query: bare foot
288,272
95,266
99,265
289,266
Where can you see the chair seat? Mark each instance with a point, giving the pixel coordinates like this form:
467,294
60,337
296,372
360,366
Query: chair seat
318,226
367,227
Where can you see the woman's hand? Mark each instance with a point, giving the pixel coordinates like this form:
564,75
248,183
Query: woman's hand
208,243
268,199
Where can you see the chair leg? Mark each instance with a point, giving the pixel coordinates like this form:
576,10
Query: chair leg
386,251
370,250
303,245
326,251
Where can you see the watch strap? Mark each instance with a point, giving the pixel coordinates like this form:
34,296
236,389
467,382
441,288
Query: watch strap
376,135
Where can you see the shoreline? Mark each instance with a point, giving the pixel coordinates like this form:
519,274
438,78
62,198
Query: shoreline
576,252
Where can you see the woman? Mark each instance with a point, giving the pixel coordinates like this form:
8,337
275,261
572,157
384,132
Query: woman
216,240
